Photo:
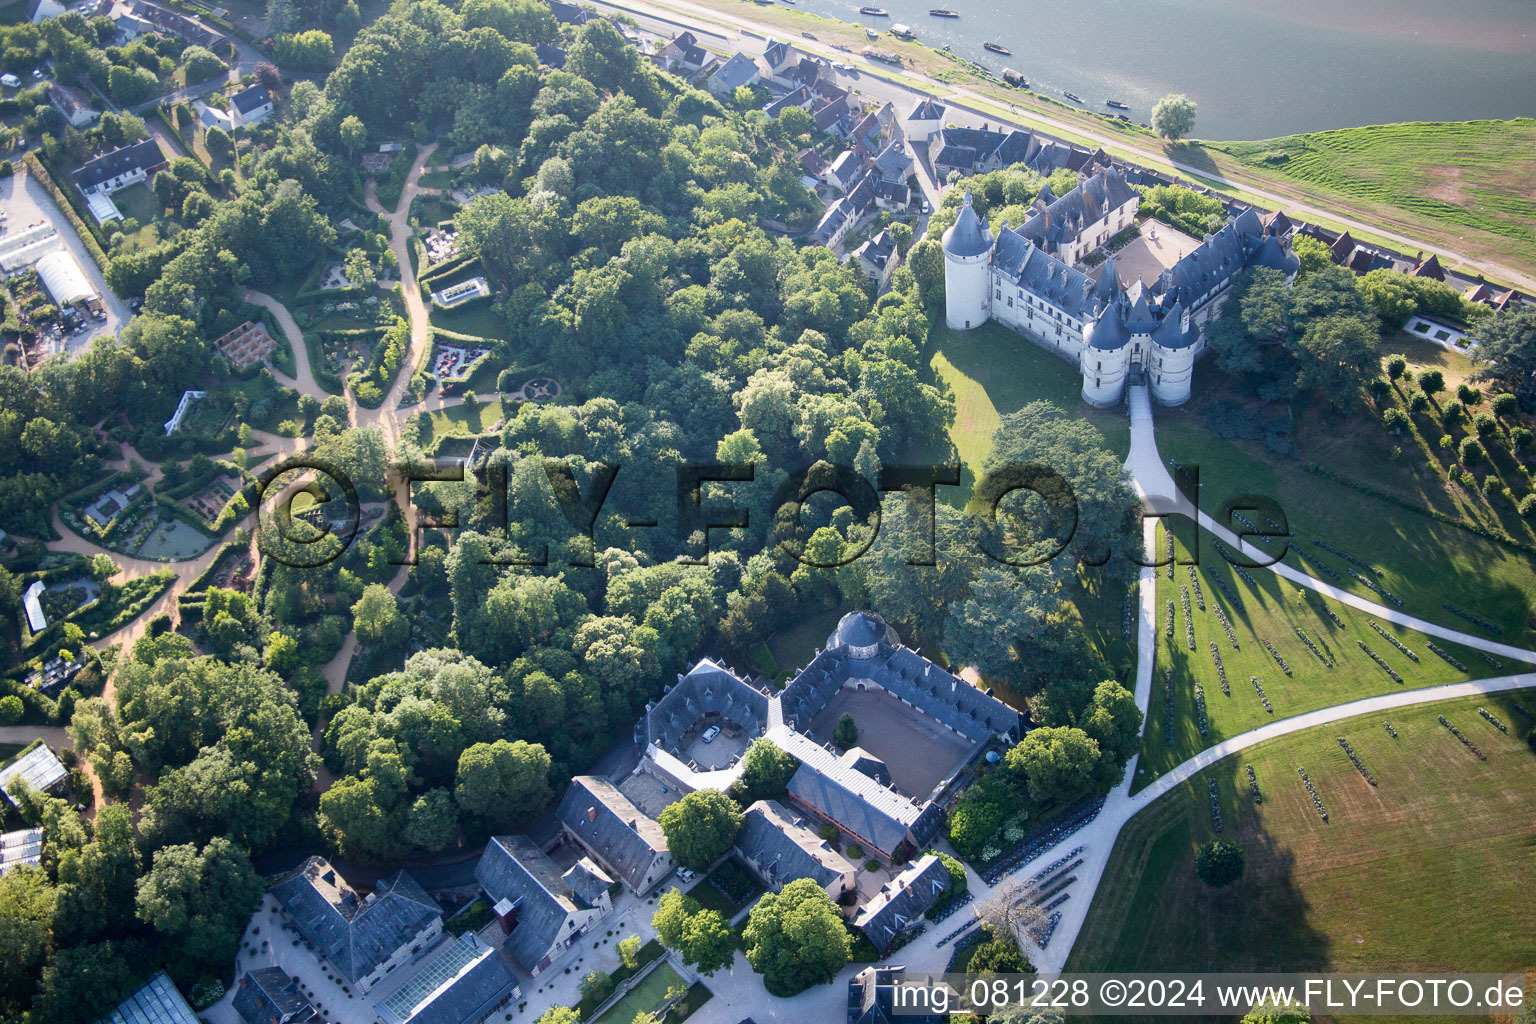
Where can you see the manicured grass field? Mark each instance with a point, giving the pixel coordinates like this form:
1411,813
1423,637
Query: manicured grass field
645,997
1271,611
1424,561
992,372
1431,869
464,420
475,319
1471,176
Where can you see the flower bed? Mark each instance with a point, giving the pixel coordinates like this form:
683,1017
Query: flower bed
1480,623
1523,713
1189,621
1042,934
1490,659
1221,671
1317,801
1128,617
1491,720
1168,708
1170,554
1320,566
1279,660
1351,559
1227,592
1390,731
1262,695
1253,785
1394,641
1194,586
1231,558
1462,736
1354,758
1068,822
1226,626
1377,659
1378,589
1445,656
1327,662
1169,629
1215,805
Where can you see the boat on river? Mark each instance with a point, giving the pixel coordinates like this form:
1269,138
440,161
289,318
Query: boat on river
1074,97
903,31
997,48
875,12
943,12
1117,104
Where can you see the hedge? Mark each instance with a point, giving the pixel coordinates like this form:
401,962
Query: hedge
87,235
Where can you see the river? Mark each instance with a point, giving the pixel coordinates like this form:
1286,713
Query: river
1257,69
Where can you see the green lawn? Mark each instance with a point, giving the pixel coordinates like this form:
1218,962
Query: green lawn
463,420
476,319
1424,561
1272,611
138,202
1429,870
645,997
1468,176
993,372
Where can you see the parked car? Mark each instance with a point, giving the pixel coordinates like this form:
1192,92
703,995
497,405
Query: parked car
37,72
925,207
685,874
710,734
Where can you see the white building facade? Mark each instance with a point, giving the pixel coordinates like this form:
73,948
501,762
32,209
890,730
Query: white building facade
1028,279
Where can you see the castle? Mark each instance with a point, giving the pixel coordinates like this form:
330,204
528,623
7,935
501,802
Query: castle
1027,279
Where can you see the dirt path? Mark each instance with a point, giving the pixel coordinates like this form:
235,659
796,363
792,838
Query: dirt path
388,416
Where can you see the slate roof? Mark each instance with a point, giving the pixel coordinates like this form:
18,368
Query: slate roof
880,816
588,881
1209,265
967,236
871,998
861,760
813,163
928,109
894,162
1067,217
904,673
708,688
738,71
830,113
1275,256
249,100
569,13
550,56
807,72
513,868
900,903
1171,333
799,96
612,827
878,250
268,995
783,849
122,160
846,167
1028,266
1108,333
777,53
459,983
354,935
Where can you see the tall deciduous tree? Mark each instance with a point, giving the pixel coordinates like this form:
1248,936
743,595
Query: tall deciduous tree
506,783
701,827
796,938
200,901
1173,117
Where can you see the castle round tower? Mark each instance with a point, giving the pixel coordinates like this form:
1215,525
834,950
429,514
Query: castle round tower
1172,364
967,270
1105,359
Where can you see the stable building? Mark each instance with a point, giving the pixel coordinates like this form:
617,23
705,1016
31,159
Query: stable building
625,842
364,938
779,849
540,910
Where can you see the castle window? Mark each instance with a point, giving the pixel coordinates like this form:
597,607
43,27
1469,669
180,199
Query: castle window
1010,302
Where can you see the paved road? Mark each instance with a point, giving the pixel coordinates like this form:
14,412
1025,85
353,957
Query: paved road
740,29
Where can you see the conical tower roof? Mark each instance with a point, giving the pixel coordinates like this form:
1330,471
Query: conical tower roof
968,236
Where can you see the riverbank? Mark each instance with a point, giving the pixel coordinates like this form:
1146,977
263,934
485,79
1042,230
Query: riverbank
1497,222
